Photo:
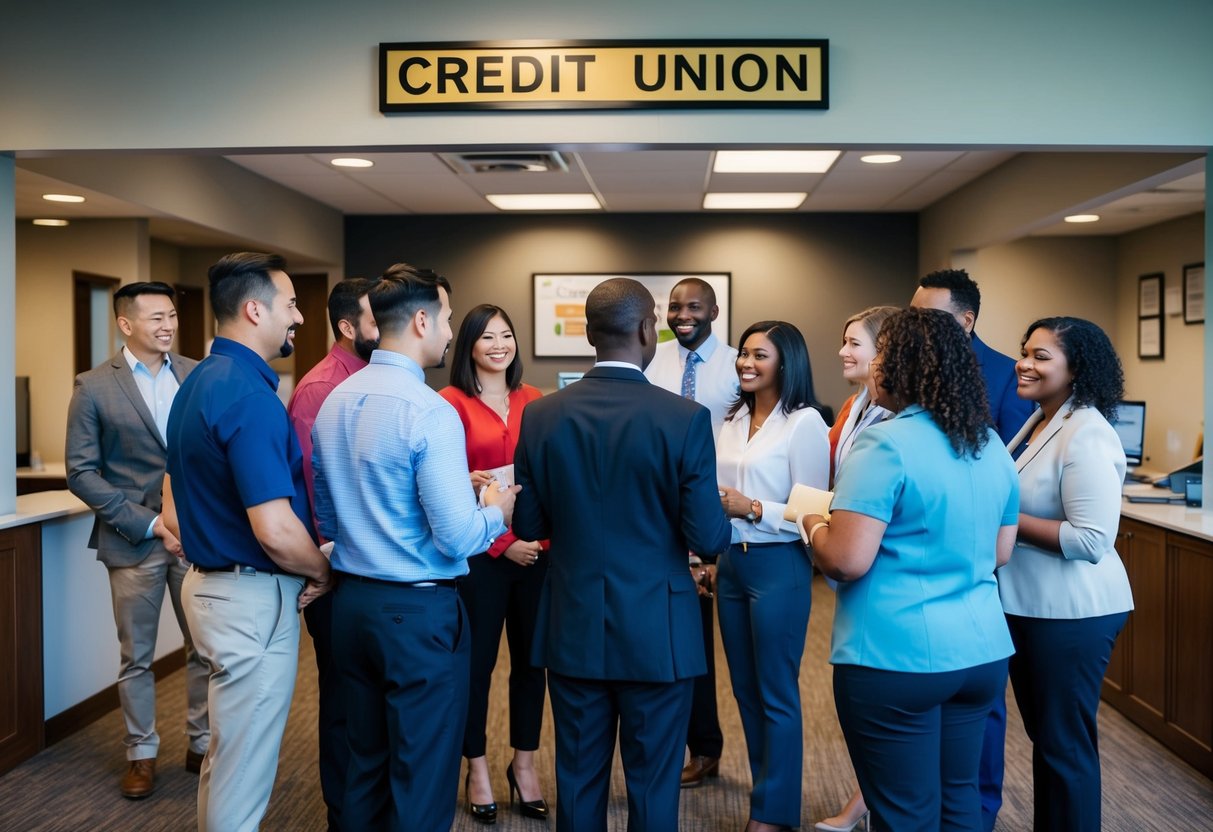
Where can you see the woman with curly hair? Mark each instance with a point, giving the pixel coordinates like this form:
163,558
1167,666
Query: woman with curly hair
1065,591
771,439
924,509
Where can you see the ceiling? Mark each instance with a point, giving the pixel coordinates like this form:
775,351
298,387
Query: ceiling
624,180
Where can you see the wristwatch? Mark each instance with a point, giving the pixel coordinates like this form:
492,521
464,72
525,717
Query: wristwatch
755,513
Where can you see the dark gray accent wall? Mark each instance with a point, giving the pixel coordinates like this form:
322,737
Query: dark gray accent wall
814,270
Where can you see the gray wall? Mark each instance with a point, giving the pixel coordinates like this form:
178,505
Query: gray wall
813,270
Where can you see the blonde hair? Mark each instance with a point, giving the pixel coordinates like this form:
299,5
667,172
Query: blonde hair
872,318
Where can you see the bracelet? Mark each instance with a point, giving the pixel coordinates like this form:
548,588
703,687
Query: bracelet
816,526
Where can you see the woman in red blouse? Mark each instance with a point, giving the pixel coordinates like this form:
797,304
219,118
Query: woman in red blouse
504,583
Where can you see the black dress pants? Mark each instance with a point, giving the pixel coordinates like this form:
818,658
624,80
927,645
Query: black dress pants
497,591
704,737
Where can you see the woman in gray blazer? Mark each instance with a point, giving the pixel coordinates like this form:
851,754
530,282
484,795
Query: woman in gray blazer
1065,590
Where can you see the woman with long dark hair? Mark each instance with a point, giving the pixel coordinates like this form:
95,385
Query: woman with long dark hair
1065,591
504,583
772,438
924,509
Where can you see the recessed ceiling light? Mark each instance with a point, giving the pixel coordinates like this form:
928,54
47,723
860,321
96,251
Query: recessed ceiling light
774,161
753,201
880,158
352,163
62,198
545,202
1083,218
51,223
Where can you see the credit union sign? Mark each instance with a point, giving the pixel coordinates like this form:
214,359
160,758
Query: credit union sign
603,75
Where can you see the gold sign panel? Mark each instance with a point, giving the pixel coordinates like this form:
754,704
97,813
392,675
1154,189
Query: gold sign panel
603,75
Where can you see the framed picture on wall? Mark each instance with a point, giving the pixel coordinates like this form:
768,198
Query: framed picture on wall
559,308
1194,293
1149,337
1149,295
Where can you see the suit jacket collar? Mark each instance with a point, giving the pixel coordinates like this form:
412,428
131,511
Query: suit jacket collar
126,382
1046,435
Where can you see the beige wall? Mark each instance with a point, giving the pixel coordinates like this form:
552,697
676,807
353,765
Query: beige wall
46,258
1172,387
1042,276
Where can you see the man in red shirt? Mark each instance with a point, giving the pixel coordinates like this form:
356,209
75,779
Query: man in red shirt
355,337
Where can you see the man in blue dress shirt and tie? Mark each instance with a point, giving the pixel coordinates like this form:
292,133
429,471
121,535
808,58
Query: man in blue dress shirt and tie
392,493
699,367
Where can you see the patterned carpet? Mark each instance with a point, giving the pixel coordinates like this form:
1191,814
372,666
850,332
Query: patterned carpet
73,785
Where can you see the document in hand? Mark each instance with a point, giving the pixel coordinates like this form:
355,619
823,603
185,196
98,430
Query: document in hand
805,499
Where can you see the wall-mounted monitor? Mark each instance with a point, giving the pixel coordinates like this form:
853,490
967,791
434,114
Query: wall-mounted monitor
1130,424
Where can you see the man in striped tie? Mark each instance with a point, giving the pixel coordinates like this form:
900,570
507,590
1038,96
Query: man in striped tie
700,367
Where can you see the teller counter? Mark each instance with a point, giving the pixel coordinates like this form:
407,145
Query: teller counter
1161,673
59,651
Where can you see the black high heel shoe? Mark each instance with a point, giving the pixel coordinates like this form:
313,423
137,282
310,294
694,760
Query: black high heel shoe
485,813
537,809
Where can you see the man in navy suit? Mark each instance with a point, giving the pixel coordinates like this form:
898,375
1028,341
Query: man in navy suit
953,291
621,476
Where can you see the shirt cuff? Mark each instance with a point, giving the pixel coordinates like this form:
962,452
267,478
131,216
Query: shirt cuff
148,534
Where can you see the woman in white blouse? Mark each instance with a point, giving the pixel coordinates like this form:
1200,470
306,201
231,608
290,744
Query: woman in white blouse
1065,590
772,438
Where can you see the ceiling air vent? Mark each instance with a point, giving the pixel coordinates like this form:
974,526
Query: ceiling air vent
530,161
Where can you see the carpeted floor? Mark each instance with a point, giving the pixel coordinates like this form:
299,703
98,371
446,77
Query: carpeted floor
73,785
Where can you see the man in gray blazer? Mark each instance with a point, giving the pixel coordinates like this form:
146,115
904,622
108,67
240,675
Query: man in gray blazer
115,456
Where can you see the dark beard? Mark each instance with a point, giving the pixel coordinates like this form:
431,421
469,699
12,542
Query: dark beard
365,346
287,347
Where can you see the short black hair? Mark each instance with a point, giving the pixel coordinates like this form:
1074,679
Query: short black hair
615,309
400,291
241,277
125,296
463,367
1099,380
795,371
966,297
344,302
709,294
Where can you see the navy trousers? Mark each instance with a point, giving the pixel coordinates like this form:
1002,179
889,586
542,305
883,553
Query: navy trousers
402,653
1057,672
989,774
915,741
334,750
651,721
704,737
765,594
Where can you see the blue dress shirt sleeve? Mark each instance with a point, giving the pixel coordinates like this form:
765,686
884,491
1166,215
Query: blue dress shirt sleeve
873,478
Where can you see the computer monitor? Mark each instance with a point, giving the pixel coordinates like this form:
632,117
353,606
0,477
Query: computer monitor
1130,424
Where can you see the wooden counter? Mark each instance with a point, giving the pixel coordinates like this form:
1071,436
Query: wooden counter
1161,673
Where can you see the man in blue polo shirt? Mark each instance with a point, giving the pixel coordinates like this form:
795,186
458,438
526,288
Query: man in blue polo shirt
234,495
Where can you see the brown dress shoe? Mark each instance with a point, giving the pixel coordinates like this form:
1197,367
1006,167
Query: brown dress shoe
699,769
193,761
140,779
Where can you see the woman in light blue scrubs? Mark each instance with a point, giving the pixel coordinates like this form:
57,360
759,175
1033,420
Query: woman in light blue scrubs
923,511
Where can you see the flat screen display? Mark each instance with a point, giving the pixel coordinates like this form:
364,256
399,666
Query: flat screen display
1130,424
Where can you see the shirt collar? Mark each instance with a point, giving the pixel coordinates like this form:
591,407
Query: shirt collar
623,364
350,361
398,359
239,352
704,350
133,362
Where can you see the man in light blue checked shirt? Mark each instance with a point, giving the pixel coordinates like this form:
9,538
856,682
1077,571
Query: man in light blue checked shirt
392,493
